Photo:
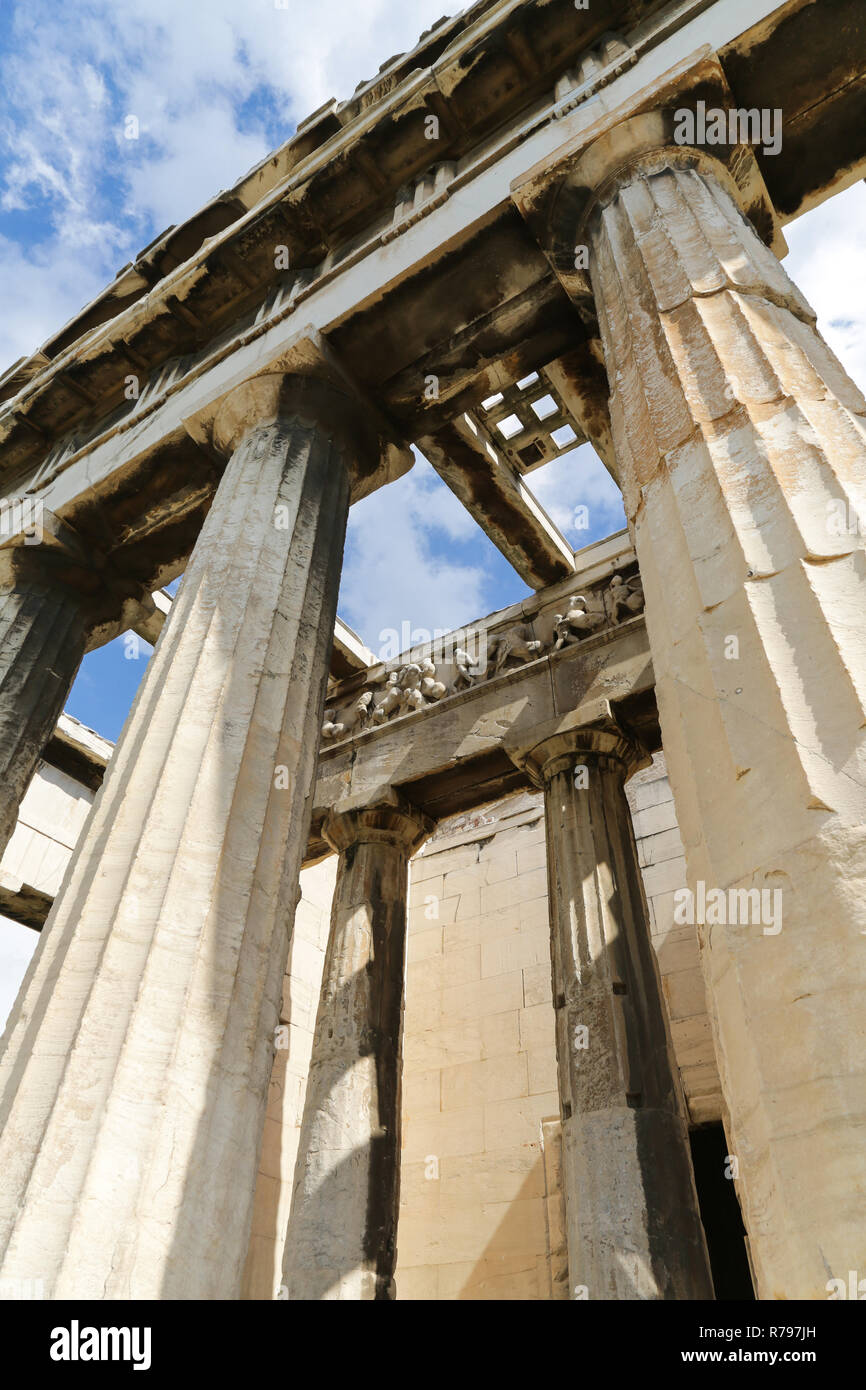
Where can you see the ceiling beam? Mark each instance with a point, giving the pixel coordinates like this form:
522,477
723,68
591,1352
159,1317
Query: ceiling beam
500,501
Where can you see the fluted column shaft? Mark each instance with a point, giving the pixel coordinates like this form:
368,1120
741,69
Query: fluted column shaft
342,1235
632,1220
137,1058
44,625
741,445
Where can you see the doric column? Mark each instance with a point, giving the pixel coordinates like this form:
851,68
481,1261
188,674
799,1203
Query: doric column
632,1220
341,1241
53,593
138,1054
43,635
741,445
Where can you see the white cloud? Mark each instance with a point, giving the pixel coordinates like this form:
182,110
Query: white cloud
397,568
579,479
826,261
49,287
203,154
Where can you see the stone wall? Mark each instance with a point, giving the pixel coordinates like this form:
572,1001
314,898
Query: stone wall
477,1220
481,1214
50,819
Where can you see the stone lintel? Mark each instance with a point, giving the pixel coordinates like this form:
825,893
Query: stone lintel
785,55
579,376
452,755
493,492
149,441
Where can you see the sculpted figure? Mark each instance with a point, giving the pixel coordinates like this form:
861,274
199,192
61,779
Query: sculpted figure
391,700
413,699
511,644
430,687
576,623
419,684
354,717
626,597
410,687
467,672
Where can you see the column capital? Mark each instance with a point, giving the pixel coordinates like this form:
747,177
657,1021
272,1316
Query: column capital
561,202
307,383
587,734
642,144
284,395
391,821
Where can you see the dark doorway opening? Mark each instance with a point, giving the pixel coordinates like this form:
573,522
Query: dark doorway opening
720,1214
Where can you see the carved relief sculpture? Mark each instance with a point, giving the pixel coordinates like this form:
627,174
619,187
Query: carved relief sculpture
512,645
357,714
626,597
578,622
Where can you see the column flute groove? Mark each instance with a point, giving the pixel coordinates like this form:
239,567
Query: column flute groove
632,1220
741,450
341,1241
137,1060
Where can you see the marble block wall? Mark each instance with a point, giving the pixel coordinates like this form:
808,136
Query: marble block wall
481,1214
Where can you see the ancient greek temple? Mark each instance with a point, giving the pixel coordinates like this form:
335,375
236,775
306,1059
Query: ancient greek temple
423,976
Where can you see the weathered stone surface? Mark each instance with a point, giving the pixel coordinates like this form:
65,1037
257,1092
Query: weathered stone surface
341,1242
137,1057
43,635
490,487
56,596
329,195
632,1219
741,443
467,1073
284,1116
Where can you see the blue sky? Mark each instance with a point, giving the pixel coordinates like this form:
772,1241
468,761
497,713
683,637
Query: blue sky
215,85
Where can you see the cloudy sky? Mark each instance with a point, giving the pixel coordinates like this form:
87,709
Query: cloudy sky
214,85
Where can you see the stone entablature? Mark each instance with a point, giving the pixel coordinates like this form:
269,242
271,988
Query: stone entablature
449,754
603,595
291,198
444,74
184,291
